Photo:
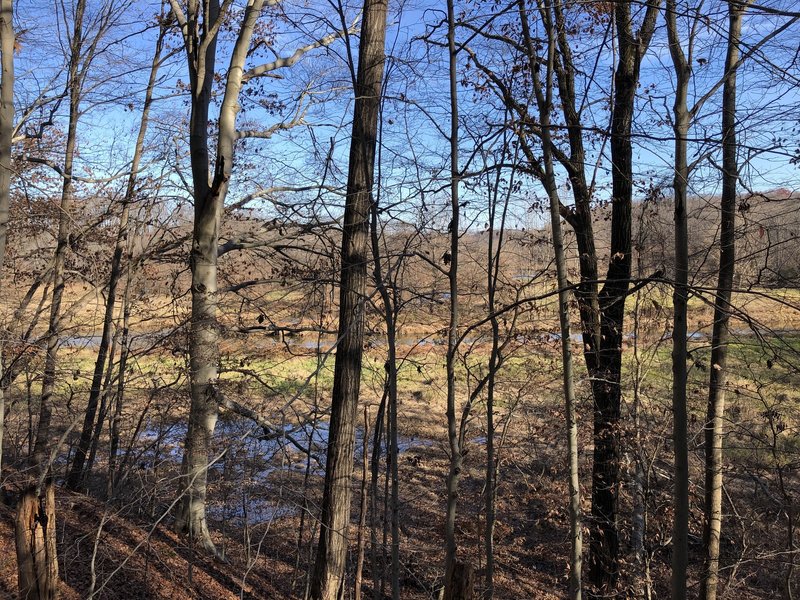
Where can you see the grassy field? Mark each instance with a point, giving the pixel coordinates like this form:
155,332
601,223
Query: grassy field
289,381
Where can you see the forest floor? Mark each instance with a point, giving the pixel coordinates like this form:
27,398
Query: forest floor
264,495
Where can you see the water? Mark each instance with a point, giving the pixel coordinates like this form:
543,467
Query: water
247,465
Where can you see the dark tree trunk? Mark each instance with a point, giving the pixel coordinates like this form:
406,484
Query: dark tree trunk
460,582
606,380
329,567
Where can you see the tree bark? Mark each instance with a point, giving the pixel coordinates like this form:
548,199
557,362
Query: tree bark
461,582
606,380
35,537
454,473
680,529
329,567
722,304
6,133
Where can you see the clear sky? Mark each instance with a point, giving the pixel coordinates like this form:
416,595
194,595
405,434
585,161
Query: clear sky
414,150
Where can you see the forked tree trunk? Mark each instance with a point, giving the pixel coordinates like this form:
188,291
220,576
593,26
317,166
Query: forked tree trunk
191,517
602,313
209,197
606,380
722,304
329,567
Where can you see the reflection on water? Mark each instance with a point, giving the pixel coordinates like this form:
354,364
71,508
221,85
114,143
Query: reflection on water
248,475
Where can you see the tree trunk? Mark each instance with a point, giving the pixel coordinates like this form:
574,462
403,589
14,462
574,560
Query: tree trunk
545,103
722,303
6,134
377,578
329,567
119,396
30,551
209,197
390,319
191,517
680,529
35,536
456,458
362,514
77,476
460,582
606,380
544,100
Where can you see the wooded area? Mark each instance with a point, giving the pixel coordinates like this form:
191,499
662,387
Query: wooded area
453,300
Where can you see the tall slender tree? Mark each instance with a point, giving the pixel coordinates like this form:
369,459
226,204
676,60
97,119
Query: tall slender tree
37,565
200,25
7,41
329,566
680,125
77,473
722,305
454,442
543,92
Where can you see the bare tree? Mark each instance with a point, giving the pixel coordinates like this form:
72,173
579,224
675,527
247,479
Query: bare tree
606,381
35,520
90,432
200,25
601,309
329,567
680,125
451,570
544,100
7,41
722,309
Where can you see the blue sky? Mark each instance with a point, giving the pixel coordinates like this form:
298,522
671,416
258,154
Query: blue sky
414,160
